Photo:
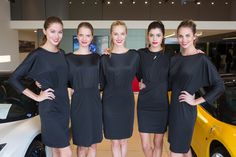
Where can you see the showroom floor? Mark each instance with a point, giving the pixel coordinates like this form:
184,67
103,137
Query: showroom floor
134,145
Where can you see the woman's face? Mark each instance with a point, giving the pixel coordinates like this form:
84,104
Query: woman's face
84,36
155,37
118,35
54,33
186,37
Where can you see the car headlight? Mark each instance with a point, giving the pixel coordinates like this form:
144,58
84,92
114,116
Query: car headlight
2,146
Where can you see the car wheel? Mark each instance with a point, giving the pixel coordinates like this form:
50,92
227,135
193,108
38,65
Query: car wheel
36,149
220,152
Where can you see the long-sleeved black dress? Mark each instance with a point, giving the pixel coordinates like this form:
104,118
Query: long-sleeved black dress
86,106
118,99
189,73
153,100
50,70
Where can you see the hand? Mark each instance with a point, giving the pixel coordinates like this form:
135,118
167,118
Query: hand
188,98
46,94
106,51
38,84
141,85
200,51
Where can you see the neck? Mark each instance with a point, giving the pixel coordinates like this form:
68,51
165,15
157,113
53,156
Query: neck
119,49
82,50
155,49
189,51
50,47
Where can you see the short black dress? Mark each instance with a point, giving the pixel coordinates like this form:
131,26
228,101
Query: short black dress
153,100
189,73
86,106
118,100
50,70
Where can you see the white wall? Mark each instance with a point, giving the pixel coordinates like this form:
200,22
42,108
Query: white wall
8,38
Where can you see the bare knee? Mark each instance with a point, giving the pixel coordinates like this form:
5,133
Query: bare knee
158,141
123,142
115,143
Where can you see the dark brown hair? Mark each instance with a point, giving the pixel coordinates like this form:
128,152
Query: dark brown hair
47,23
86,25
159,25
189,24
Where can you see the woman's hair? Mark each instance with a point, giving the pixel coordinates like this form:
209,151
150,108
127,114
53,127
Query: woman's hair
114,24
47,23
86,25
189,24
159,25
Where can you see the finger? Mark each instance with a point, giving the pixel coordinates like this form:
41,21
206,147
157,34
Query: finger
49,90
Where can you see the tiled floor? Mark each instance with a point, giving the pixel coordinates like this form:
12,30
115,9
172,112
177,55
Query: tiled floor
134,145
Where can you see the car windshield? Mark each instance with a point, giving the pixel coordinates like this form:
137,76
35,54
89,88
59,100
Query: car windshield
227,104
15,106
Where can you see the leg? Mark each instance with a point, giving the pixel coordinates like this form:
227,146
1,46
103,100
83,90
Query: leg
116,149
124,147
92,150
81,151
146,144
188,154
158,145
62,152
172,154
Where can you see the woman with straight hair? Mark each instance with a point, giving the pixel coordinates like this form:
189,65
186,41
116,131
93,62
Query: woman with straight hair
47,66
119,69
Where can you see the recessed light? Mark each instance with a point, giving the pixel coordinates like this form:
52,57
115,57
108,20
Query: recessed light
212,3
172,2
198,3
159,2
70,2
108,2
184,2
121,2
226,3
82,2
146,2
133,2
35,31
96,3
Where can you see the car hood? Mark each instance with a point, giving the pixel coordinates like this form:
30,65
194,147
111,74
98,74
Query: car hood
7,128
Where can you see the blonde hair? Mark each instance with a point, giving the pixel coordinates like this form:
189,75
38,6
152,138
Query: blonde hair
114,24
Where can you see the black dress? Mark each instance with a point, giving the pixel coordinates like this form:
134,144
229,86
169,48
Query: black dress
153,100
118,99
189,73
50,70
86,106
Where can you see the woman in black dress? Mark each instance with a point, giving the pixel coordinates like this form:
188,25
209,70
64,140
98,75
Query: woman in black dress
86,106
153,95
119,69
189,71
47,65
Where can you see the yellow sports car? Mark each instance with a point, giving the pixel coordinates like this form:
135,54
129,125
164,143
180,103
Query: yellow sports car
215,129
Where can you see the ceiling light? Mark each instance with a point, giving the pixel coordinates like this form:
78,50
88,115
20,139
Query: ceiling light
121,2
133,2
146,2
108,2
70,2
83,2
170,35
184,2
5,58
198,3
212,3
226,3
172,2
229,38
159,2
35,31
199,34
95,3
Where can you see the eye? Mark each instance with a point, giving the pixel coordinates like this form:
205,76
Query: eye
151,35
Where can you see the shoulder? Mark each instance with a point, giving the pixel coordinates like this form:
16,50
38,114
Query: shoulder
69,55
133,52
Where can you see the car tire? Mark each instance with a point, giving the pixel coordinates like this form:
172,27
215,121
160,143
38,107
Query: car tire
36,149
220,152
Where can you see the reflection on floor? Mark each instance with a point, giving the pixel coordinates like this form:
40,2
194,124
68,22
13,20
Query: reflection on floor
134,146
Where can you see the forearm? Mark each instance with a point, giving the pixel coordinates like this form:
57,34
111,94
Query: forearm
199,100
30,94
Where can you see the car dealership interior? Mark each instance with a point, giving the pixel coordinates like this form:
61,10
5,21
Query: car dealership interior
21,31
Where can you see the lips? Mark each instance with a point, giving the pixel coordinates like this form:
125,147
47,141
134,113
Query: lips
154,43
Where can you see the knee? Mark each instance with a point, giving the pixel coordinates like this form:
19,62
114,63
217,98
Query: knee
93,147
115,143
146,147
123,142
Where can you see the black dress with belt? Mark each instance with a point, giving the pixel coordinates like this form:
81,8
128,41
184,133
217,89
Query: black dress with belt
153,100
86,106
50,70
189,73
118,99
